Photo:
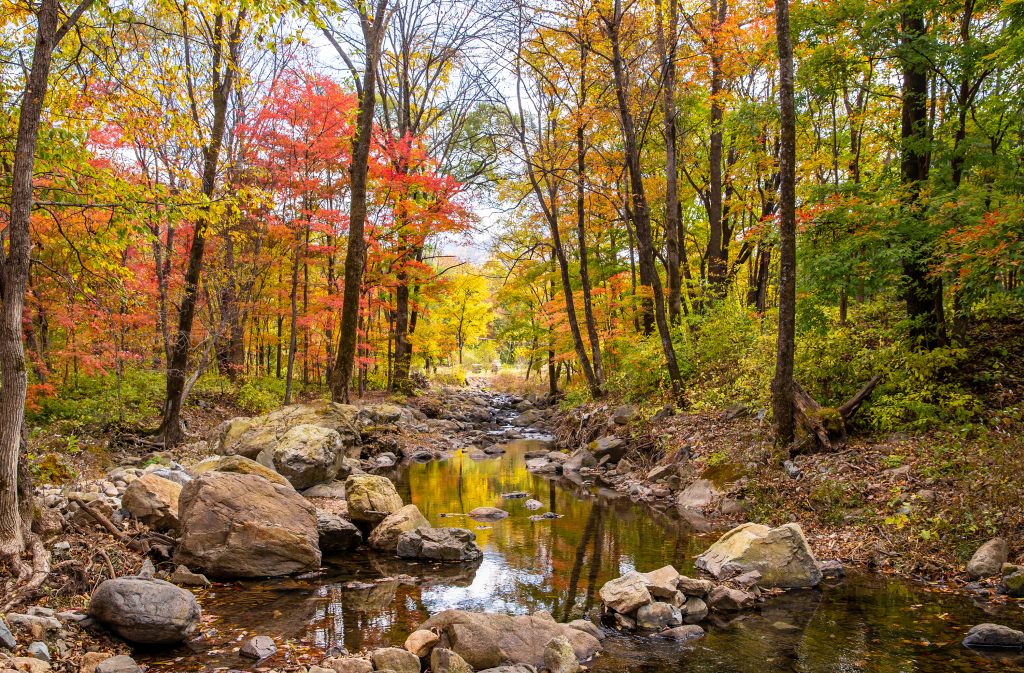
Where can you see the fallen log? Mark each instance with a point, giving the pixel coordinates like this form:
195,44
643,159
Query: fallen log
825,424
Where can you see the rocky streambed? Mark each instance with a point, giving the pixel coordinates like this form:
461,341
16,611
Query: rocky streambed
524,546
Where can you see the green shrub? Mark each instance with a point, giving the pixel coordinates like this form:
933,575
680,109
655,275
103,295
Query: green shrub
256,396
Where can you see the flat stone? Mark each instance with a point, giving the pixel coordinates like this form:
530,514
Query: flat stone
488,513
662,582
351,665
688,632
729,600
119,664
28,621
182,576
258,647
30,664
90,660
995,636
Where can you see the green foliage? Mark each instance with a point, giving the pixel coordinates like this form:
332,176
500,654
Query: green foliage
450,376
93,402
50,469
259,396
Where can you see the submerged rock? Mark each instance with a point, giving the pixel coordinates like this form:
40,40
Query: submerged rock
688,632
781,555
146,611
452,545
241,525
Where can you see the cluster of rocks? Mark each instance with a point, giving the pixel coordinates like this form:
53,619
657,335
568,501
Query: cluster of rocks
456,641
53,635
741,563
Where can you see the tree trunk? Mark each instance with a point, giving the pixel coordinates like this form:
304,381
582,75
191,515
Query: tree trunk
171,428
14,271
355,256
783,384
667,54
641,214
716,266
294,327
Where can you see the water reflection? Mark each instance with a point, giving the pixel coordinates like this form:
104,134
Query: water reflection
366,600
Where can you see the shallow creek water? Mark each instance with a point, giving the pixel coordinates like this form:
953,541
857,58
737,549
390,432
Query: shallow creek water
365,600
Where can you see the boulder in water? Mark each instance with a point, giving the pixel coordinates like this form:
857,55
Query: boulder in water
241,525
336,534
386,535
452,545
781,555
371,498
995,636
146,611
487,640
627,593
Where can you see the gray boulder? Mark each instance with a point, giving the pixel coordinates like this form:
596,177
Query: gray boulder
989,559
580,459
336,534
994,635
782,555
307,455
656,616
451,545
7,638
146,611
371,498
627,593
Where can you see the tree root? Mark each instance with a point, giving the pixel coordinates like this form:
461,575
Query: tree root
33,578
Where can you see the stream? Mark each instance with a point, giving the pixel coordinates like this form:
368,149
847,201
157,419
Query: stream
364,600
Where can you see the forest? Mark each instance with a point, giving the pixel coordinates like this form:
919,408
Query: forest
809,212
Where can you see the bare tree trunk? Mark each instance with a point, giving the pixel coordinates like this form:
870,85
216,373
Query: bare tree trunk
295,319
716,266
170,427
14,271
667,53
355,256
782,384
641,214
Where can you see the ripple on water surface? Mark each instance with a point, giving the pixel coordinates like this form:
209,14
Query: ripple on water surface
365,600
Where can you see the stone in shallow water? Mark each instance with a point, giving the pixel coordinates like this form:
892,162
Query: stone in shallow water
258,647
626,594
452,545
994,635
655,616
533,504
688,632
782,555
488,513
336,534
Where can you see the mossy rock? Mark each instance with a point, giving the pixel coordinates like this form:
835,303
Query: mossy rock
830,419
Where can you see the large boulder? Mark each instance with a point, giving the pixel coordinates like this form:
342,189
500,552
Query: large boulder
250,436
385,536
627,593
336,534
452,545
153,500
241,525
307,455
989,559
238,465
486,640
528,418
371,498
781,555
145,610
